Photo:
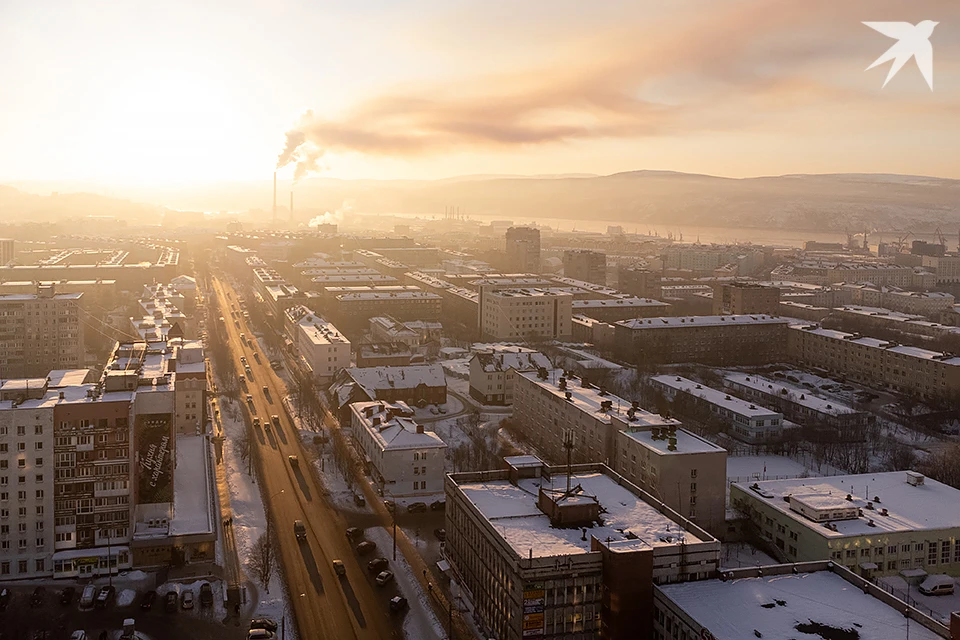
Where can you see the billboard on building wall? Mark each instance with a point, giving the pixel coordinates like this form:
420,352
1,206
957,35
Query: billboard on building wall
153,432
533,605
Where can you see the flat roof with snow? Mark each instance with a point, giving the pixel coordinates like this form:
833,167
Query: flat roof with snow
687,442
718,398
798,395
928,507
699,321
513,512
192,488
914,352
774,607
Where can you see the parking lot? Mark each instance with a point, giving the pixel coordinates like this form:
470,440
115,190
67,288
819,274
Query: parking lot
51,620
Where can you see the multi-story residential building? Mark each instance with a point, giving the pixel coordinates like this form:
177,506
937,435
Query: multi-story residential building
586,265
384,354
946,268
420,384
494,367
6,251
40,332
638,282
613,310
375,279
713,340
353,310
815,599
26,479
698,259
869,318
566,552
387,329
921,372
277,293
797,403
803,311
514,314
587,329
321,344
744,420
523,250
825,272
406,461
874,524
190,365
741,298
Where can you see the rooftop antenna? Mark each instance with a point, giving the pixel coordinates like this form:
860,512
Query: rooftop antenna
568,445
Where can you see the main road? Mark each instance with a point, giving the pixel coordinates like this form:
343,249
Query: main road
325,605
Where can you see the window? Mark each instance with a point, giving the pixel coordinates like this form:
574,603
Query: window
945,552
931,553
38,563
693,487
21,431
864,553
892,549
38,430
22,565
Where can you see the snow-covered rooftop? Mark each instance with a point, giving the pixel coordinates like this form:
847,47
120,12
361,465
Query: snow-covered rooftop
504,358
687,442
407,377
774,606
798,395
394,428
618,302
930,506
319,331
192,489
512,511
699,321
875,343
719,398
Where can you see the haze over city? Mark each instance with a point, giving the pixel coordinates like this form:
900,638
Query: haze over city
480,320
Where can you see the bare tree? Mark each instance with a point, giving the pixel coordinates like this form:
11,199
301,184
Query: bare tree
262,561
944,465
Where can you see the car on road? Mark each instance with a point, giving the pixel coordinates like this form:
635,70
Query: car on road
66,596
417,507
249,400
354,532
359,500
377,565
440,533
384,578
243,380
276,365
299,530
243,337
366,547
294,461
105,597
256,356
243,360
266,390
249,372
170,602
260,634
186,599
398,603
256,423
236,323
88,596
206,595
146,602
390,505
339,568
37,597
266,624
275,420
438,505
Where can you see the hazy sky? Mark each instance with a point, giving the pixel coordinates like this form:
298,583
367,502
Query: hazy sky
131,92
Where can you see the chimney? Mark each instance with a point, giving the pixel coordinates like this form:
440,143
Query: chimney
274,196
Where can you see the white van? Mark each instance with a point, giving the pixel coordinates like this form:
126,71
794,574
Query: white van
938,585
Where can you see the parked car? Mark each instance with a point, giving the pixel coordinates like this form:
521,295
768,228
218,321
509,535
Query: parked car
259,634
359,500
186,599
267,624
146,602
384,578
417,507
88,596
79,634
339,568
36,598
66,596
105,597
398,603
170,602
438,505
299,530
354,532
440,533
377,565
366,547
206,595
937,585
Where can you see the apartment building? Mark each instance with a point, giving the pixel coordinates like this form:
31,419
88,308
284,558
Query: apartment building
638,281
586,265
523,250
26,479
6,251
388,329
613,310
927,374
39,332
744,420
494,367
946,267
713,340
874,524
320,343
514,314
384,354
406,461
532,552
353,310
826,272
740,298
415,384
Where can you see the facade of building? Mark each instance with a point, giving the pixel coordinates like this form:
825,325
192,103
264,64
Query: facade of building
713,340
523,250
514,314
387,329
353,310
638,282
493,369
406,461
616,309
586,265
926,374
874,524
40,332
384,354
530,549
6,251
745,420
742,298
420,384
946,268
320,343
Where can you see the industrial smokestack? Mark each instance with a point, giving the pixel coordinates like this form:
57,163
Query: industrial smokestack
274,196
291,207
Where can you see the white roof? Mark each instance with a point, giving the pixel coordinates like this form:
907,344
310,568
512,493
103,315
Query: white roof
914,352
398,432
699,321
192,492
719,398
407,377
618,302
686,442
512,511
319,331
808,400
930,506
500,357
734,610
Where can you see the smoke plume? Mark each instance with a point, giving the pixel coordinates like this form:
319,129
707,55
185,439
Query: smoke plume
332,218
